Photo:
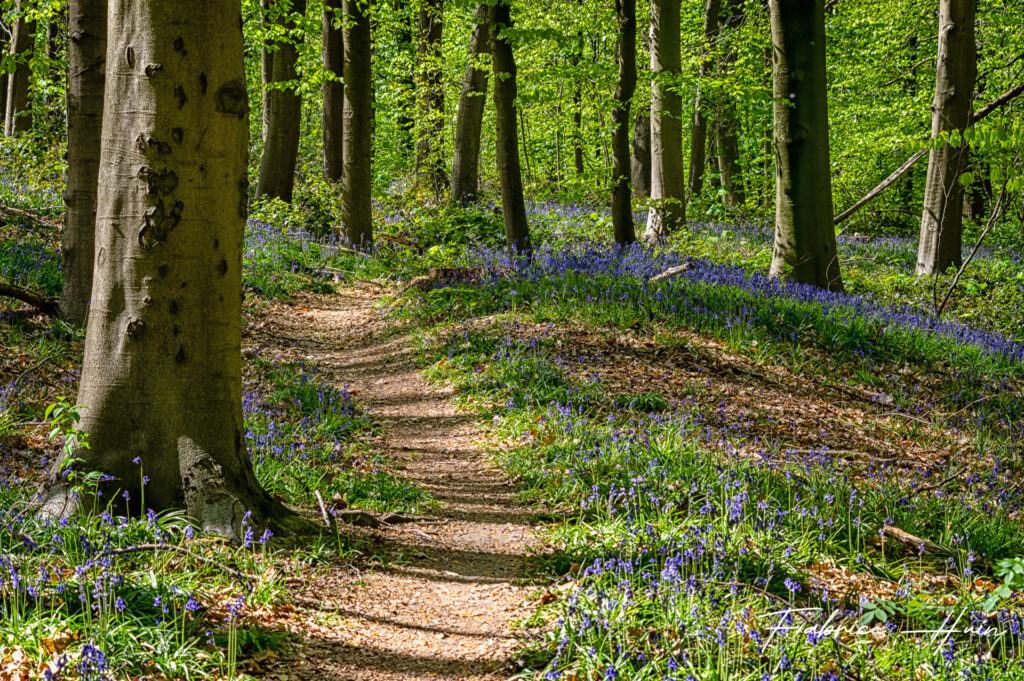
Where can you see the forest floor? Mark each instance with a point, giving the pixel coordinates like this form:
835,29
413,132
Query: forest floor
442,604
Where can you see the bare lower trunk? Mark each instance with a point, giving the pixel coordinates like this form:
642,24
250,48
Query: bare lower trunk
640,162
19,113
513,205
357,181
333,90
668,196
87,49
429,144
161,378
622,204
805,241
699,129
466,161
284,117
729,158
941,238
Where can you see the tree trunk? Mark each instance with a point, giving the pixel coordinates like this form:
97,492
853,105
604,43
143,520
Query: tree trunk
513,205
161,378
5,47
357,181
729,157
87,50
699,130
941,240
407,83
577,109
333,91
668,205
466,161
19,110
640,162
805,241
284,117
622,203
429,143
266,72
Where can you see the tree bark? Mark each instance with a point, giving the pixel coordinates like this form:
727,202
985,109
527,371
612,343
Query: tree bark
161,377
668,196
640,162
87,50
333,91
805,241
466,160
19,112
699,129
266,72
430,165
577,109
5,47
357,181
622,198
729,157
407,82
513,205
941,240
284,116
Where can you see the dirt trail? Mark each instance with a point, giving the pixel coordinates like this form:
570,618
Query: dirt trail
442,608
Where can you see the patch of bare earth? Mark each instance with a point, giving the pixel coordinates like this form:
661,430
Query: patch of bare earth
442,606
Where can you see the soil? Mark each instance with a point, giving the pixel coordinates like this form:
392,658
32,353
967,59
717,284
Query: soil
445,602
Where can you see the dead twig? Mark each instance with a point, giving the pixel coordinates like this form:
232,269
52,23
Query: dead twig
45,305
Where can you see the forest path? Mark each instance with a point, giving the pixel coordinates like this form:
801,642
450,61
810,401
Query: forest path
442,607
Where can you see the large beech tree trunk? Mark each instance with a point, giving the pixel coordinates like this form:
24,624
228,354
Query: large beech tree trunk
18,112
622,198
805,241
466,161
513,205
668,196
161,378
429,143
699,129
333,90
640,162
357,136
941,238
87,51
284,117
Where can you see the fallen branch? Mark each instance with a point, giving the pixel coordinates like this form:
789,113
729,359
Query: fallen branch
981,113
45,305
400,240
913,541
19,214
671,272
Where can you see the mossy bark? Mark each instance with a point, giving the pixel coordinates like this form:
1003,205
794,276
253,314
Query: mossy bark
468,128
357,180
18,116
333,123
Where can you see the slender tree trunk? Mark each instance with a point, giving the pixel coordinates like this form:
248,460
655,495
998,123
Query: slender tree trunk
357,180
465,164
19,112
640,162
805,241
87,51
729,157
333,91
668,206
622,198
161,378
699,130
284,118
513,205
577,109
266,72
407,82
429,144
727,142
941,238
5,47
